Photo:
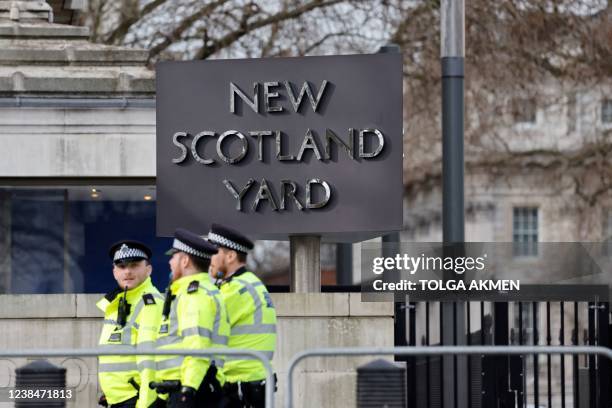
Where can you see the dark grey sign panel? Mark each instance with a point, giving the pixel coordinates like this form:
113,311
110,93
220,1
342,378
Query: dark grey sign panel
283,146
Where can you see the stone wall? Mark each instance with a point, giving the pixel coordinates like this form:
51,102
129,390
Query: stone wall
305,321
58,142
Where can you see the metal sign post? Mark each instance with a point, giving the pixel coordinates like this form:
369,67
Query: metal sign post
452,26
305,259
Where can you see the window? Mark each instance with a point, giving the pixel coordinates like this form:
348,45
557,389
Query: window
606,111
524,110
525,231
54,239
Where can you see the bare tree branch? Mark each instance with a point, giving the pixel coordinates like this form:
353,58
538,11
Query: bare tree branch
206,51
320,41
118,34
183,26
514,48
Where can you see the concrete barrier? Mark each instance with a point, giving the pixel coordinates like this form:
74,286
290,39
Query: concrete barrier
305,321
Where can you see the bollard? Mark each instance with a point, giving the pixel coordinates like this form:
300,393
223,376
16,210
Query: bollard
381,383
39,375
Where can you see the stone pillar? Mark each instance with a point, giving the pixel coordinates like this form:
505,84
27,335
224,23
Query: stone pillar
305,263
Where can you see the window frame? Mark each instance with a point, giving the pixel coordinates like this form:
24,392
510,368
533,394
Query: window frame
525,228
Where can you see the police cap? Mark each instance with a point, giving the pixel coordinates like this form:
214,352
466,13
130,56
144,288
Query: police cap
229,238
192,244
129,250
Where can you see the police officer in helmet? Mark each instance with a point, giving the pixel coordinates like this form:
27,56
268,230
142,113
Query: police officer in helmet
251,314
193,318
131,316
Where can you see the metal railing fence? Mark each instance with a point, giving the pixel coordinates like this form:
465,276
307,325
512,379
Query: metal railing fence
199,353
435,350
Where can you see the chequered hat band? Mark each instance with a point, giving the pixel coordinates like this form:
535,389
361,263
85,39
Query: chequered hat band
183,247
126,252
221,240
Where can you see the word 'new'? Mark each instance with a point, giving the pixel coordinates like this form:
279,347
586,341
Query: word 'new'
271,94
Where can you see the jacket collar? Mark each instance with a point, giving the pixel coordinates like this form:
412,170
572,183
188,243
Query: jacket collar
184,281
238,272
132,294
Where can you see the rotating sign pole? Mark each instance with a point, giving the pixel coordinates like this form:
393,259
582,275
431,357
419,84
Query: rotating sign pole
305,262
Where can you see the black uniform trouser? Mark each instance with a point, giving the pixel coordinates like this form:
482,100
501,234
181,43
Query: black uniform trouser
209,395
245,395
130,403
158,403
200,401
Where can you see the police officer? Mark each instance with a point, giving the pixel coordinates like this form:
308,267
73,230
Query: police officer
194,317
251,313
131,316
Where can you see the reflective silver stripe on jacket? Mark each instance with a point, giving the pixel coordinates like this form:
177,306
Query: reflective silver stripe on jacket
258,315
126,336
164,341
172,336
146,345
115,367
269,355
176,362
169,363
117,347
257,327
244,289
204,332
216,337
253,329
173,327
150,364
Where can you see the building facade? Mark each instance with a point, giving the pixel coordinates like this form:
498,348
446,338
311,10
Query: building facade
77,163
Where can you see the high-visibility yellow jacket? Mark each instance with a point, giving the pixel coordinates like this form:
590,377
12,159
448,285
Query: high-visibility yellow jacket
253,324
116,372
197,320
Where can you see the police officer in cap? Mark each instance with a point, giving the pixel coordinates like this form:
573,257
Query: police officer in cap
251,313
194,317
131,316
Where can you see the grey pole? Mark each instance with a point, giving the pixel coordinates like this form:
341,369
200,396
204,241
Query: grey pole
305,260
344,264
391,247
452,44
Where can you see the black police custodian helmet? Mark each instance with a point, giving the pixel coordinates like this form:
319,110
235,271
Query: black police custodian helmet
129,250
229,238
192,244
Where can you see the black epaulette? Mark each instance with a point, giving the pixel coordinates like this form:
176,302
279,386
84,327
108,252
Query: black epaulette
148,299
193,286
110,296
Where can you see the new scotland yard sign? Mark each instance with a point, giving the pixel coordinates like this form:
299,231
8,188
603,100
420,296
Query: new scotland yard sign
282,146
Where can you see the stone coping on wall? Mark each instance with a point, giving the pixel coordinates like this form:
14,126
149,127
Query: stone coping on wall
36,306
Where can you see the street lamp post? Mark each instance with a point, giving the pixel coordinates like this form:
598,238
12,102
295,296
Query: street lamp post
452,50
